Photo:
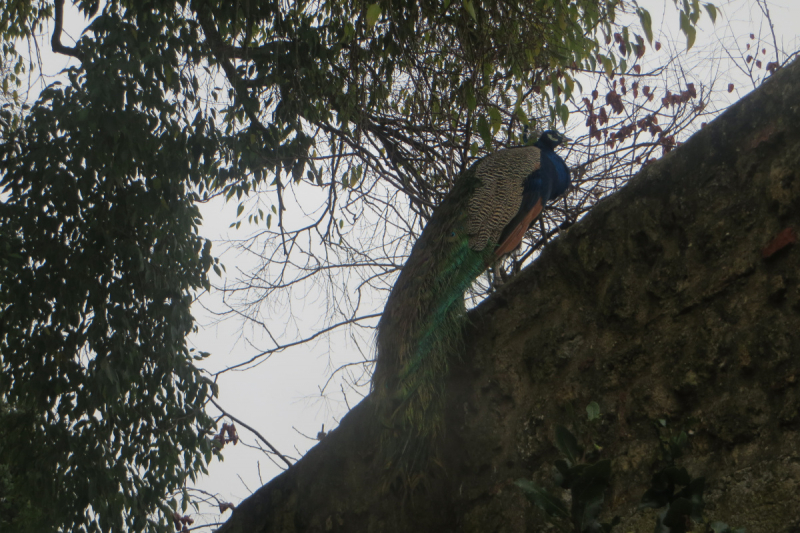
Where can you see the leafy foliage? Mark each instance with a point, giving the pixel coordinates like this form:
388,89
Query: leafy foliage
102,408
586,482
683,508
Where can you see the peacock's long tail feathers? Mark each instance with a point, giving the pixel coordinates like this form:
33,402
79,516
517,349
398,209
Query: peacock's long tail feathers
421,328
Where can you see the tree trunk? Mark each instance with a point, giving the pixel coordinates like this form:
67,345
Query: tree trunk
675,299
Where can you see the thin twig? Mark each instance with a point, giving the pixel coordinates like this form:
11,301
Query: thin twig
253,431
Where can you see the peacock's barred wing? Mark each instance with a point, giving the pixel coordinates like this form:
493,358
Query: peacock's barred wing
498,197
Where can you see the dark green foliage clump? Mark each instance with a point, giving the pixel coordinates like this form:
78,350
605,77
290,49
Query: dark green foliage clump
101,406
684,507
587,483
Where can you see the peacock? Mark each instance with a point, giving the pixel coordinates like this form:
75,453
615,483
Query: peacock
483,217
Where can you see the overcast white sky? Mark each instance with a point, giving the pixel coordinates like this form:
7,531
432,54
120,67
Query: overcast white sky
281,397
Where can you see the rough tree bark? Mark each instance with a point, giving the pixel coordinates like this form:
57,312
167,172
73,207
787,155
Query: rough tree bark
676,298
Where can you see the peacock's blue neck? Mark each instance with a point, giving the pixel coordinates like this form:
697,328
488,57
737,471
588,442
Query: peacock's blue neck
553,165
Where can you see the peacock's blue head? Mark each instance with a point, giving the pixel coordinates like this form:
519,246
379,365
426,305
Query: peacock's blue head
550,139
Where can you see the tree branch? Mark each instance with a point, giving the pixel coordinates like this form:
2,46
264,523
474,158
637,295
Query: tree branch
55,41
253,431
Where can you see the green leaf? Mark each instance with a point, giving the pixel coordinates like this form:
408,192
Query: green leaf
688,29
626,39
239,210
593,411
522,116
552,505
567,444
677,514
496,119
677,475
470,9
485,132
488,69
608,65
373,13
297,171
694,16
564,113
569,86
563,476
598,473
693,493
712,12
469,96
561,20
588,494
647,23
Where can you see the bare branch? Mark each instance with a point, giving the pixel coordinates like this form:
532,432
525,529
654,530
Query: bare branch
253,431
55,41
